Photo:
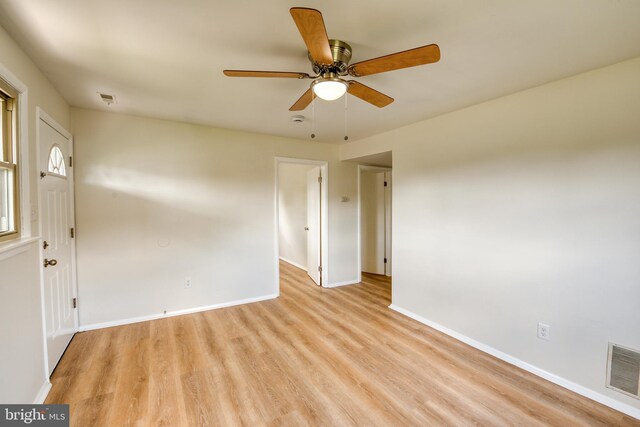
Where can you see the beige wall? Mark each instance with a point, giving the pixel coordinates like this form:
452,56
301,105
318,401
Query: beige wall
521,210
292,212
159,201
21,336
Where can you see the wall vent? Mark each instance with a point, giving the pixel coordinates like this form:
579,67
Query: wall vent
623,370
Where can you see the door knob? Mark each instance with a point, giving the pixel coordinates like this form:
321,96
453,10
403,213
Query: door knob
49,262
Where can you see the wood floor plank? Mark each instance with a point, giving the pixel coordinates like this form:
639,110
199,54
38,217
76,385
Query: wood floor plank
130,405
166,407
93,411
314,356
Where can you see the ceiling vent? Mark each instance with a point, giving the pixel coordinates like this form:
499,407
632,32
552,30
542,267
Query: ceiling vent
623,370
107,99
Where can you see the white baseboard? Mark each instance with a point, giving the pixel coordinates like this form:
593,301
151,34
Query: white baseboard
345,283
577,388
42,394
295,264
121,322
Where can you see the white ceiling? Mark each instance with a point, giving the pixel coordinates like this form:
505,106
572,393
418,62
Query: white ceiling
164,58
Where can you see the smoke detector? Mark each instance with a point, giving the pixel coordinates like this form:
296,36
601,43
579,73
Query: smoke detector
107,99
297,119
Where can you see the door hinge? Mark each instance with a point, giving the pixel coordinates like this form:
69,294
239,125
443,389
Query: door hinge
385,260
70,161
75,303
385,183
320,269
320,179
72,232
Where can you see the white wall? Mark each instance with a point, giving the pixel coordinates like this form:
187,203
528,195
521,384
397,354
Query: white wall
292,212
526,209
21,337
159,201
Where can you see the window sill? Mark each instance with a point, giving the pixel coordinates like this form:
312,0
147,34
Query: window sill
14,247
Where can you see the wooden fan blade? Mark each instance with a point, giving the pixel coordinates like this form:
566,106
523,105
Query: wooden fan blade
313,32
303,101
281,74
396,61
369,95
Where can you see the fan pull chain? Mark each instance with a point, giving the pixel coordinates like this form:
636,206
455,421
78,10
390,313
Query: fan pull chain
313,116
345,117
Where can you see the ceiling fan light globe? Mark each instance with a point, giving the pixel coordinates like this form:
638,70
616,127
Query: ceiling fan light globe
329,90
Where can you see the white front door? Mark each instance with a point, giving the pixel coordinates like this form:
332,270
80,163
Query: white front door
56,202
314,242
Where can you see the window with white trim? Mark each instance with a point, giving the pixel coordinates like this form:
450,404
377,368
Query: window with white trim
9,213
56,162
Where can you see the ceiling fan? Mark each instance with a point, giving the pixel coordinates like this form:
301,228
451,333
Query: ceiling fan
330,61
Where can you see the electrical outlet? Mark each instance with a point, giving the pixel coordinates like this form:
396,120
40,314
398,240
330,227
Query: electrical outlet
187,282
544,331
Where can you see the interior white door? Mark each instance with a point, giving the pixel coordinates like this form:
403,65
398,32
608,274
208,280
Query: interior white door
56,217
314,231
372,220
387,224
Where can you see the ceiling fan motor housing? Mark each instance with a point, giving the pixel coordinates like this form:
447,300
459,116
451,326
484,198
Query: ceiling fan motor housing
341,53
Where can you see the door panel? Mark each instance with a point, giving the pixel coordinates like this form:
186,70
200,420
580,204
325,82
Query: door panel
313,224
387,223
57,220
372,218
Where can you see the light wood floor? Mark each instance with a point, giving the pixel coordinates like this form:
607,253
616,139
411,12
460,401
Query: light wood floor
311,357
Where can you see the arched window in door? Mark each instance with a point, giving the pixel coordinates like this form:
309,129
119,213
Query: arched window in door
56,162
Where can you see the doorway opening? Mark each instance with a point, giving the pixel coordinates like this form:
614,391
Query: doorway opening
301,217
374,218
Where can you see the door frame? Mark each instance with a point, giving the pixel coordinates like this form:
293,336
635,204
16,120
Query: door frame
324,220
42,115
361,169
